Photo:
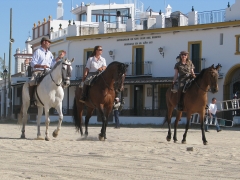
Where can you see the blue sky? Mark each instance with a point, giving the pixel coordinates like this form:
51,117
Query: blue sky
27,12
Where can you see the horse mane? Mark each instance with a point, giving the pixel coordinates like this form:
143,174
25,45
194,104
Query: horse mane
200,75
54,67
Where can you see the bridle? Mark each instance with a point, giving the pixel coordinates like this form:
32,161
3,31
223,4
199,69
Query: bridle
68,75
209,90
118,81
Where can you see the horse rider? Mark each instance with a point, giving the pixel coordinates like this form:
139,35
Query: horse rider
184,70
95,64
42,60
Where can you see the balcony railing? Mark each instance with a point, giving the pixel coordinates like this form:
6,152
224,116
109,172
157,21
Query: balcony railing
134,69
79,71
214,16
138,69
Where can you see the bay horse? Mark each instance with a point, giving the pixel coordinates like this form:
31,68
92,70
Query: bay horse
49,93
101,96
195,101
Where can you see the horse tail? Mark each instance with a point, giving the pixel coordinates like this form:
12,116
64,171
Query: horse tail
76,119
20,116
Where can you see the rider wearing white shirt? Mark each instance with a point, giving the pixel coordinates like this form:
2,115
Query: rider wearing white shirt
96,63
42,59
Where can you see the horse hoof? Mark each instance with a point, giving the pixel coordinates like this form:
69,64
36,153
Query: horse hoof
23,136
184,142
47,139
39,138
168,139
101,138
54,134
205,143
175,141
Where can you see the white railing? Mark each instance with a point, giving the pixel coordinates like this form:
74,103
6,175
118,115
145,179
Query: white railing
138,69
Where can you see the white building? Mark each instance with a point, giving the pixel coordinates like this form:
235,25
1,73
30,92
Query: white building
137,42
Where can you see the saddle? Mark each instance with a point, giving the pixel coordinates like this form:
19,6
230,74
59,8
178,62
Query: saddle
40,76
187,84
92,79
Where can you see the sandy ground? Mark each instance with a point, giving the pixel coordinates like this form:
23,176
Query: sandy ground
128,153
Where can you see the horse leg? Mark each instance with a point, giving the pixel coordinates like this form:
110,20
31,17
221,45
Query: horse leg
80,112
40,112
47,122
179,115
103,130
168,119
186,128
107,112
88,116
59,110
201,117
23,117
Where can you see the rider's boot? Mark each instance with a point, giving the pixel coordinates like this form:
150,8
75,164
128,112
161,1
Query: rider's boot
33,101
84,94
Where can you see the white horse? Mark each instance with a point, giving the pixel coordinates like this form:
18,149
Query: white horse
49,93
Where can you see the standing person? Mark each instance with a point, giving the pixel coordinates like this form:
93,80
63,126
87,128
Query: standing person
183,69
95,64
42,59
116,105
212,110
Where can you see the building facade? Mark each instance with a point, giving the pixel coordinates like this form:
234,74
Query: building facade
150,46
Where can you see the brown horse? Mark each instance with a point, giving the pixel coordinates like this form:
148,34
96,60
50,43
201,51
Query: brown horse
101,96
195,101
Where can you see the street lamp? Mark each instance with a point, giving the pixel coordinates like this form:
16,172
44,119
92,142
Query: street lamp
5,73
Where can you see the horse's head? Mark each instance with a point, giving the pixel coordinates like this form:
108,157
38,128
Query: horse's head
119,77
213,77
66,72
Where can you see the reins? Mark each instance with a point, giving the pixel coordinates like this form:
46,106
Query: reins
106,82
201,88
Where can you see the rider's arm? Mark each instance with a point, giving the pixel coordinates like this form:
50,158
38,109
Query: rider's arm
193,74
86,70
102,68
175,75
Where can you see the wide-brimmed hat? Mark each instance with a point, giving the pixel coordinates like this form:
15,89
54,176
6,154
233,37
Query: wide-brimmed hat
184,52
45,39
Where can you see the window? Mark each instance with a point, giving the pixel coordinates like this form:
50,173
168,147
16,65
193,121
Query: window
87,54
237,45
19,92
125,92
149,91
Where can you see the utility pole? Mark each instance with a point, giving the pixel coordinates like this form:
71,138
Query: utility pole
11,40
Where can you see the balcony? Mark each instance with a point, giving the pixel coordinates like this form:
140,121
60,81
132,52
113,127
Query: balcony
213,16
139,69
79,71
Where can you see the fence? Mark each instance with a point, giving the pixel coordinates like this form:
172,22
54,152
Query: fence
214,16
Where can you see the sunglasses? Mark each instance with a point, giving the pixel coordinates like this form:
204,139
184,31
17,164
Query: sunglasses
183,54
99,49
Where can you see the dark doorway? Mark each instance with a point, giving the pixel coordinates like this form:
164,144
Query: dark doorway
139,61
195,57
138,100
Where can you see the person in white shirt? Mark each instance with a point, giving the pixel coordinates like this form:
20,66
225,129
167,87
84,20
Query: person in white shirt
42,59
95,64
212,110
